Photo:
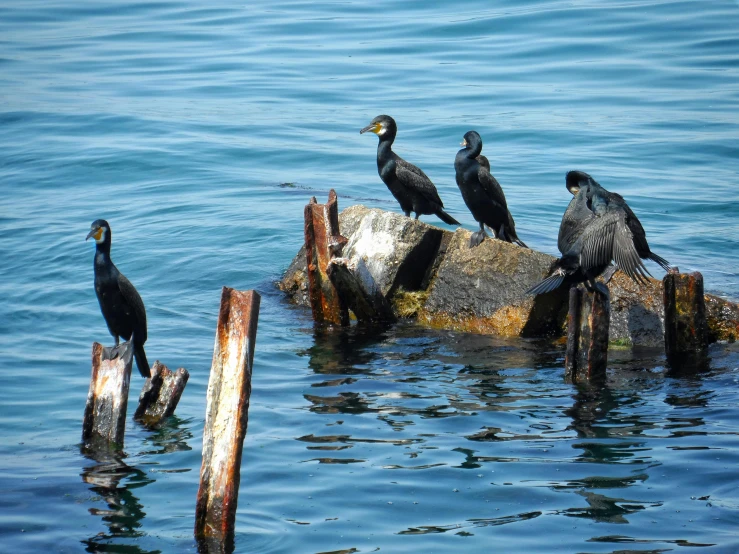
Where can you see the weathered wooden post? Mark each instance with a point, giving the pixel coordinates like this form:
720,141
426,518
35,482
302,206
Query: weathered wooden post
226,418
107,399
686,328
588,321
354,283
322,242
160,395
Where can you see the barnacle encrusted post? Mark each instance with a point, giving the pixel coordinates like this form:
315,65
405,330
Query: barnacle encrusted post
588,321
686,328
226,416
107,399
161,394
322,243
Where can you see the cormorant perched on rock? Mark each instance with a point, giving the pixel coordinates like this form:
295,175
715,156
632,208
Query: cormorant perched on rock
120,303
410,186
482,193
597,227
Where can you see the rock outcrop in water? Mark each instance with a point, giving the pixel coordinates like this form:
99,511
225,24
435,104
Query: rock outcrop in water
432,275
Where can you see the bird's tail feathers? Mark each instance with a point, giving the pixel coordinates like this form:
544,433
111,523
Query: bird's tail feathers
552,282
446,218
660,260
508,234
519,242
141,362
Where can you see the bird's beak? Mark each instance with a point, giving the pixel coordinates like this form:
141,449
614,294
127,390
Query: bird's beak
374,127
463,143
95,233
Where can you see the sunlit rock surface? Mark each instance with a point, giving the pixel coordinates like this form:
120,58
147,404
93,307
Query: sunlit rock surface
432,275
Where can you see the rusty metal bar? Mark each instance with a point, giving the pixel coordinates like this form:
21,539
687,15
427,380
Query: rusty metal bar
226,417
323,242
588,322
160,395
107,399
686,328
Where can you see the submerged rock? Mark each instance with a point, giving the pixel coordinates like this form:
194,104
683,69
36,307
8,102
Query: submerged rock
432,275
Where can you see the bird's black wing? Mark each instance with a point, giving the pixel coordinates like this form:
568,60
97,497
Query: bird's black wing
492,187
607,238
413,178
640,236
576,218
135,305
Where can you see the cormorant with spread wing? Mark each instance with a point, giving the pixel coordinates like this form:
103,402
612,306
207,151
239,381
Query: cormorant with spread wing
410,186
597,227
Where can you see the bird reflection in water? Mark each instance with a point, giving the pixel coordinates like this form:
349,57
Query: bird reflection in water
124,512
595,418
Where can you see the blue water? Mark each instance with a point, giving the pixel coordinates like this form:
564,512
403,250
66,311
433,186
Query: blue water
200,130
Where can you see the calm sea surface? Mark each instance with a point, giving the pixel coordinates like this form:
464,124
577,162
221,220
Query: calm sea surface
199,130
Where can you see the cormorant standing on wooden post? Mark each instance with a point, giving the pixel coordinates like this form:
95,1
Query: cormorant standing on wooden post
120,303
597,227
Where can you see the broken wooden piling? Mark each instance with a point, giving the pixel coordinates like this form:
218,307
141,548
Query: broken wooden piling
686,328
160,395
588,320
226,416
354,283
323,242
107,399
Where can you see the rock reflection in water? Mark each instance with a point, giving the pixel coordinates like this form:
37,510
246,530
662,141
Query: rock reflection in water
457,402
340,351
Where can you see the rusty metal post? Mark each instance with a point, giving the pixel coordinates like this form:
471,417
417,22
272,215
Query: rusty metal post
588,320
354,283
160,395
107,399
322,242
686,328
226,416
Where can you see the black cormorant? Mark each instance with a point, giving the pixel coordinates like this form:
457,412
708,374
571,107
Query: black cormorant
120,303
410,186
604,202
482,193
597,227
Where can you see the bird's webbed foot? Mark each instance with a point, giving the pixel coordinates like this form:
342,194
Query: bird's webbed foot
477,238
592,286
608,273
407,213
